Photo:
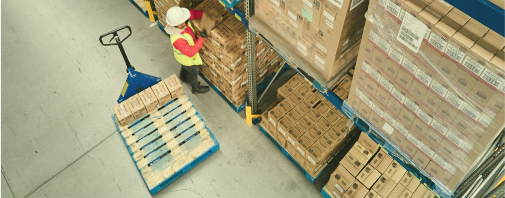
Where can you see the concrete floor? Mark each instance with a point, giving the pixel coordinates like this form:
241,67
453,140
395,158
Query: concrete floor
58,88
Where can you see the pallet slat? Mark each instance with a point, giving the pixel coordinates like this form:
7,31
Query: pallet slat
167,142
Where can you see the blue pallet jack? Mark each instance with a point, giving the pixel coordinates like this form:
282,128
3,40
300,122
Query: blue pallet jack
136,81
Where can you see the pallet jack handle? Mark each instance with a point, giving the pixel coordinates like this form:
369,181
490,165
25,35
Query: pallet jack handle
118,42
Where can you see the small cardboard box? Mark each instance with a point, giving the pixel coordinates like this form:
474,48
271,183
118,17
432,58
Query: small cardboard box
294,115
314,116
174,86
223,37
149,99
372,194
274,116
388,188
352,164
332,116
364,173
293,134
355,190
397,176
284,107
123,113
341,179
371,179
162,93
381,182
360,154
136,106
305,123
377,159
315,154
210,20
397,191
283,125
390,171
413,185
420,192
368,143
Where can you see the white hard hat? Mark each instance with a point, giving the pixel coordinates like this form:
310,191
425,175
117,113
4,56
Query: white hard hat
177,16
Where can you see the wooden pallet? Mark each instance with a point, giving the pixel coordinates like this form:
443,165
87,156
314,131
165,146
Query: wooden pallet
167,142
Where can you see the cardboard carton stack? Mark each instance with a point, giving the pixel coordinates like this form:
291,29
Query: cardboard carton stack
325,40
224,55
163,5
306,125
432,79
148,100
343,86
364,172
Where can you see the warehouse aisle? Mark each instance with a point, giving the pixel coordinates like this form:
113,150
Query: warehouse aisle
59,85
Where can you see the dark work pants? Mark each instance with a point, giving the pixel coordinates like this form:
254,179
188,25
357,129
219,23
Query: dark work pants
192,75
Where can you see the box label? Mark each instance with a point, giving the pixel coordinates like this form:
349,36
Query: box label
329,23
396,55
454,139
339,188
276,3
392,8
399,96
322,48
300,45
485,120
437,41
455,52
291,141
365,66
311,160
329,17
492,78
382,3
372,36
411,32
423,77
470,111
300,150
401,129
386,84
439,127
335,194
272,121
374,74
293,22
277,9
389,118
426,150
337,3
454,100
377,110
319,62
437,87
409,65
411,105
383,44
355,3
424,116
387,128
440,161
308,3
282,131
293,16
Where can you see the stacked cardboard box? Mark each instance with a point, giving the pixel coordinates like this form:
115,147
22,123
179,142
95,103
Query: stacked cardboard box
343,86
224,55
361,174
433,80
306,125
148,100
314,30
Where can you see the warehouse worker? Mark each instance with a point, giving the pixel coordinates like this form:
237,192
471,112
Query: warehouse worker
182,36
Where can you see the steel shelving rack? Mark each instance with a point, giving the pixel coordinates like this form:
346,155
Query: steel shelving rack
482,10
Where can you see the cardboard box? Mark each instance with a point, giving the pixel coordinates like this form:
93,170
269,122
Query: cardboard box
372,194
136,106
275,115
420,192
162,93
352,164
413,185
293,134
212,18
388,188
304,142
397,191
421,159
315,154
305,123
390,171
355,190
283,126
377,159
381,182
364,173
341,179
222,37
123,113
397,176
149,99
434,170
174,86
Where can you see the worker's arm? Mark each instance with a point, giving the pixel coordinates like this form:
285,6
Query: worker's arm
195,14
190,51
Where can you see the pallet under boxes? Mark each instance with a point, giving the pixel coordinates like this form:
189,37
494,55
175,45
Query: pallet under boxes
168,142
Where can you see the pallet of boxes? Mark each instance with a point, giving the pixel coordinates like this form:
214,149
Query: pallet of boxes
367,171
224,54
432,79
313,30
306,125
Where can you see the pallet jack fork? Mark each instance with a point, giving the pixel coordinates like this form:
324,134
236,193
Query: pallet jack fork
136,81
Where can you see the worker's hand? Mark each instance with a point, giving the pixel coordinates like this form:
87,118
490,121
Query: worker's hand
203,33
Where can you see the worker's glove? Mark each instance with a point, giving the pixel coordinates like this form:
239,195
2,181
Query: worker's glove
203,33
